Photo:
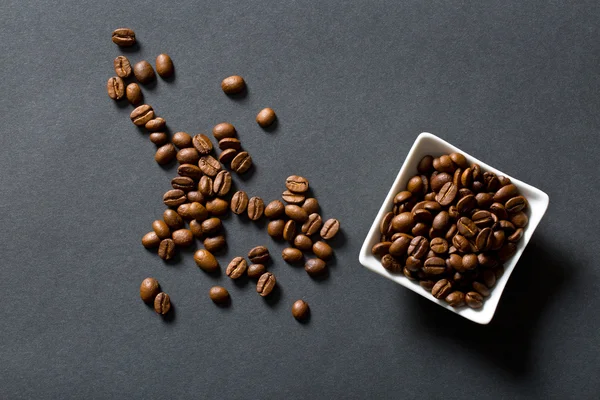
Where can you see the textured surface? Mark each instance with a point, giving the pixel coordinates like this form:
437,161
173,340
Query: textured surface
513,83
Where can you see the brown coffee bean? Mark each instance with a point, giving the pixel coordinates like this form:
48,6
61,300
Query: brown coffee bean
265,284
439,245
222,183
519,220
239,202
183,141
441,289
422,215
504,180
464,192
466,178
164,65
149,289
144,72
209,165
516,236
399,234
123,37
403,222
455,262
291,255
489,278
196,196
134,93
172,219
447,194
484,239
150,240
254,271
162,303
445,164
461,243
452,230
188,156
474,300
466,227
482,219
413,264
507,226
189,170
219,295
193,210
330,228
196,228
183,237
233,84
217,206
236,268
481,289
478,186
470,261
315,266
166,249
215,243
203,144
492,184
115,88
466,204
487,260
211,226
227,156
296,184
259,255
256,207
477,172
293,198
289,230
456,299
425,166
161,229
418,247
156,124
386,222
165,154
298,214
438,181
390,263
159,138
223,130
266,117
230,143
174,198
241,162
205,186
415,185
300,310
459,160
441,221
498,241
304,243
205,260
399,246
505,193
420,229
275,228
434,266
322,250
311,205
275,209
402,197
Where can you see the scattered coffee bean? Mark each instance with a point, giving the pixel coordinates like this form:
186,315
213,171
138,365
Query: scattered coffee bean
239,202
166,249
211,226
274,209
311,205
141,114
162,303
217,206
223,130
266,284
241,162
390,263
315,266
188,156
205,260
159,138
296,184
165,154
134,93
303,242
123,37
193,210
255,271
275,228
291,255
164,66
183,237
236,268
441,289
149,289
456,299
439,245
205,186
519,220
474,300
189,170
289,230
222,183
122,67
259,255
330,228
233,84
150,240
174,198
172,219
266,117
227,156
300,310
230,143
115,88
161,229
156,124
195,197
203,144
312,225
322,250
144,72
219,295
196,228
297,213
293,198
256,207
209,165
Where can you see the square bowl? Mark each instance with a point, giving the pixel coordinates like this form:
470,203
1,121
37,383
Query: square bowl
426,143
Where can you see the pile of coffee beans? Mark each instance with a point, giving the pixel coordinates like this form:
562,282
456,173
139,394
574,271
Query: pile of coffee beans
452,229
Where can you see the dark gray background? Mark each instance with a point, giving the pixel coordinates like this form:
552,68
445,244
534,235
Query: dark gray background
514,83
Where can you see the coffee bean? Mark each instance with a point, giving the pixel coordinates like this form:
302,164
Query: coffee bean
445,164
193,210
165,154
481,289
188,156
498,210
434,266
415,185
159,138
464,192
164,65
519,220
399,246
222,183
265,284
275,228
422,215
438,181
161,229
399,234
452,230
402,222
162,303
122,67
418,247
241,162
455,262
196,228
233,84
256,207
227,156
275,209
489,278
484,239
296,184
202,143
516,236
311,205
300,310
477,187
504,180
459,160
439,245
236,268
505,193
390,263
115,88
205,260
516,204
456,299
150,240
447,194
293,198
172,219
183,237
174,198
259,255
134,93
289,230
219,295
402,197
195,197
217,206
413,264
322,250
482,219
466,227
506,226
298,214
291,255
256,270
239,202
223,130
466,204
498,241
230,143
123,37
420,229
425,165
441,221
205,186
386,222
304,243
209,165
149,289
266,117
487,260
144,72
315,266
330,228
211,226
156,124
215,243
166,249
441,289
474,300
183,141
189,170
141,114
477,172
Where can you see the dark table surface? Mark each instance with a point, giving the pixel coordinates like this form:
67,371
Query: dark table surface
514,83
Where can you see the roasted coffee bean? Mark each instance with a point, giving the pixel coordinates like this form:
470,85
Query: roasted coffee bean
413,264
444,164
505,193
134,93
311,205
265,284
481,289
478,186
506,226
516,204
506,251
256,207
174,198
447,194
162,303
452,230
239,202
438,181
223,130
265,117
385,224
115,88
412,275
498,241
474,300
183,237
434,266
161,229
425,166
230,143
504,180
485,239
415,185
464,192
205,260
196,196
420,229
144,72
312,225
188,156
516,236
211,226
165,154
203,144
330,228
217,206
227,156
159,138
254,271
275,209
461,243
236,268
193,210
150,240
315,266
429,196
196,228
293,198
215,243
470,261
296,184
441,289
189,170
456,299
403,222
456,179
222,183
441,221
422,215
477,172
156,124
275,228
219,295
183,141
209,165
297,213
304,243
487,260
453,213
439,245
459,160
418,247
402,197
172,219
466,227
399,234
259,255
466,178
123,37
322,250
455,262
519,220
452,250
241,162
499,211
434,233
427,285
233,84
149,289
166,249
289,230
466,204
482,219
291,255
164,65
492,184
390,263
300,310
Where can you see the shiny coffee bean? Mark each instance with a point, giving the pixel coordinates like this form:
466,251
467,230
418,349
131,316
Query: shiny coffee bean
161,229
266,284
219,295
188,156
123,37
519,220
227,156
189,170
203,144
390,263
456,299
239,202
150,240
172,219
516,204
236,268
300,310
215,244
403,222
297,213
418,247
115,88
183,237
447,194
275,228
466,227
439,180
296,184
165,154
434,266
193,210
209,165
166,249
425,166
206,261
211,226
259,255
230,143
174,198
224,130
222,183
304,243
481,289
144,72
315,266
291,255
413,264
275,209
266,117
141,114
293,198
505,193
256,207
162,303
255,271
164,65
133,92
149,289
439,245
196,229
441,221
312,225
195,197
183,141
330,228
441,289
322,250
289,230
311,205
217,206
484,240
474,300
156,124
233,84
241,162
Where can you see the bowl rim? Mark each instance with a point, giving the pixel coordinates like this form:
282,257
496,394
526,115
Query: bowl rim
485,314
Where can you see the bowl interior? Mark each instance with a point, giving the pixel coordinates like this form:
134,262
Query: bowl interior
427,143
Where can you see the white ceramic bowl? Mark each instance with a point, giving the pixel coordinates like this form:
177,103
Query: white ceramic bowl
427,143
